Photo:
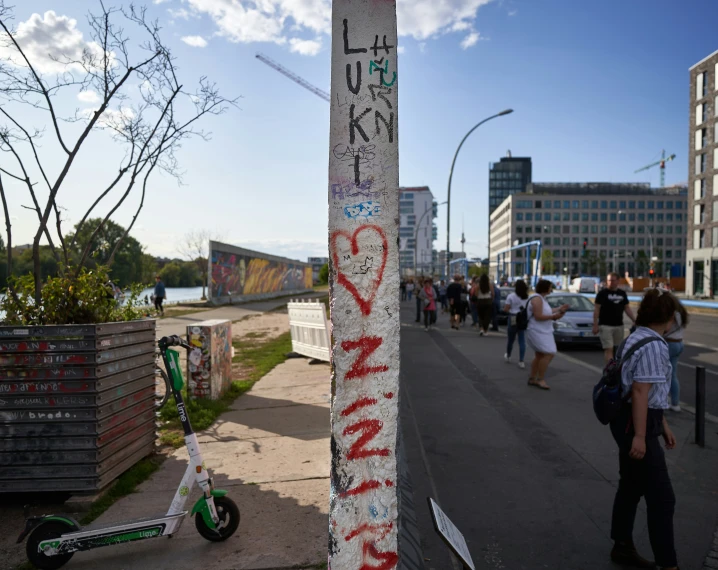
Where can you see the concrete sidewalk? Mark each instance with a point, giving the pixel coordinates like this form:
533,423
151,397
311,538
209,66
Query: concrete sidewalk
529,476
271,452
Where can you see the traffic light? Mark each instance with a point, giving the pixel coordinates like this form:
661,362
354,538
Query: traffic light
585,244
651,272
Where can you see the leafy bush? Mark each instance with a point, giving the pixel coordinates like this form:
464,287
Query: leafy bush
68,299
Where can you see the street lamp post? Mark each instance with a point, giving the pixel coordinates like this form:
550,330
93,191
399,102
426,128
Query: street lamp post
416,233
451,174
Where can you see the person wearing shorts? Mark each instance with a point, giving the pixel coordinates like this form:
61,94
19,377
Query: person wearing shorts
610,304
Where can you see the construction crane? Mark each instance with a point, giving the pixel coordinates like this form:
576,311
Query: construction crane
294,77
662,164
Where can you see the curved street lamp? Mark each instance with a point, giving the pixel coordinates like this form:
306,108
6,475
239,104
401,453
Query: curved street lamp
451,174
416,231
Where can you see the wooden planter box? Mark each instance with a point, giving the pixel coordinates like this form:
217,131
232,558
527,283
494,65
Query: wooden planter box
76,404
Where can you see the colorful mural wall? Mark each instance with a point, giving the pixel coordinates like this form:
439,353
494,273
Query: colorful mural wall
238,272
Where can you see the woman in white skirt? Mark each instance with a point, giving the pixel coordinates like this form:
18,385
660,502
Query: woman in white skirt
539,334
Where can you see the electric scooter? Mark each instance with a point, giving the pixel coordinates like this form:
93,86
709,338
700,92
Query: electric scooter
53,539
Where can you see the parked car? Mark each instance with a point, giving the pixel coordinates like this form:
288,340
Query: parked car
575,328
583,285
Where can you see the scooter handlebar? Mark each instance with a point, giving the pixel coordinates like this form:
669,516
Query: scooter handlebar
174,340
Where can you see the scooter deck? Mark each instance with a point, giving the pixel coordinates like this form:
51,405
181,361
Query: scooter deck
120,526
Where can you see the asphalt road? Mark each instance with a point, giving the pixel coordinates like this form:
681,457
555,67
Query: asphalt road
701,349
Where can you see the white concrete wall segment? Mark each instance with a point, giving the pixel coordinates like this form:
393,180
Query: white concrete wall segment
364,285
309,329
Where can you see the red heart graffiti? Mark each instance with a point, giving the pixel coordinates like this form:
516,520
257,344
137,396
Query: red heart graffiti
365,303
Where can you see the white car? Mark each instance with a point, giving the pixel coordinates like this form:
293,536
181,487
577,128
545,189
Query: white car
583,285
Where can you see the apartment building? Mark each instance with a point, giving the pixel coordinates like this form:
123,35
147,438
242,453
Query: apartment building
702,258
592,228
417,232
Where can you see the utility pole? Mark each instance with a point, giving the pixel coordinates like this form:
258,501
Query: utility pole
364,286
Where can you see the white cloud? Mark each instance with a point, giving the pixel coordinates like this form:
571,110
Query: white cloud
470,40
272,20
160,1
195,41
45,39
400,49
181,14
88,97
513,12
305,47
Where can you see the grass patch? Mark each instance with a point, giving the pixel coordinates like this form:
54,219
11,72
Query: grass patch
125,484
257,359
256,334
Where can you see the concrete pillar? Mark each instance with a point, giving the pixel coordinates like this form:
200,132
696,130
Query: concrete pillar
364,285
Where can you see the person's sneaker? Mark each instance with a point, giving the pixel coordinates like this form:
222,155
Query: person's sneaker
675,408
625,553
521,364
507,358
481,333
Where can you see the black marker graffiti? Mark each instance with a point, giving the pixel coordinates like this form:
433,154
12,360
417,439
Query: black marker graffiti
354,88
355,126
364,269
377,47
347,49
380,91
389,126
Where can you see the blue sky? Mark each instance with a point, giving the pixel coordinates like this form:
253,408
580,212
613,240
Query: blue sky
598,89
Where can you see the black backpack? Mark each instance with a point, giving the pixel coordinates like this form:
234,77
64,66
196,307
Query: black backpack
522,317
608,394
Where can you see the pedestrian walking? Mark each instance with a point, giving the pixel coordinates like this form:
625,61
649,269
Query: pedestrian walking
610,304
453,294
159,295
674,337
495,307
429,300
409,289
646,376
474,301
417,296
464,301
402,287
539,333
514,303
442,296
484,301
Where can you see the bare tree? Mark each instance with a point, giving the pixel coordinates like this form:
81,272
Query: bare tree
147,123
195,247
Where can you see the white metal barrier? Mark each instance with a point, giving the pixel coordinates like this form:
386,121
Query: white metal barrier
309,328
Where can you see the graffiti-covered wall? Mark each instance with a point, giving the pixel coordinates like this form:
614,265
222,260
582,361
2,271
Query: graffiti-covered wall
239,274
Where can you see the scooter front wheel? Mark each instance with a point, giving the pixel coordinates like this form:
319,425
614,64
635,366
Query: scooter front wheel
228,513
46,531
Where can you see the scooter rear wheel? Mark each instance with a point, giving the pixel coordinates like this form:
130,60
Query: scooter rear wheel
228,512
46,531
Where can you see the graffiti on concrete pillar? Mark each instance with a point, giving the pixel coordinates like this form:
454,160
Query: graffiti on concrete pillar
364,280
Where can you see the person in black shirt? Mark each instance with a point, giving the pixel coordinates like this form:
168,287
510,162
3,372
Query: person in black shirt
610,304
453,294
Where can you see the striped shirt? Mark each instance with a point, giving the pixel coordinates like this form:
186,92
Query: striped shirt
650,364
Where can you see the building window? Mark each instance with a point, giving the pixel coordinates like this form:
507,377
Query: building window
604,229
603,241
594,204
669,254
556,216
567,204
631,241
659,205
584,204
631,204
594,229
659,242
698,239
557,229
679,217
594,217
698,212
622,204
574,229
669,217
584,230
621,229
622,217
565,241
524,204
641,241
669,205
614,204
679,229
557,203
613,216
641,204
537,204
700,141
659,217
519,229
547,204
575,205
529,217
679,241
714,236
566,230
537,229
651,217
584,217
701,85
604,217
612,241
604,204
566,216
669,229
574,241
650,205
700,163
701,114
519,217
574,216
631,217
622,241
547,217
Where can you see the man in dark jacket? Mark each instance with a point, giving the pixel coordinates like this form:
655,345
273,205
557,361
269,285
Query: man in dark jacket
159,294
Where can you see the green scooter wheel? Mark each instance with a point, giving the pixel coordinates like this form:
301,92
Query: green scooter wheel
46,531
228,513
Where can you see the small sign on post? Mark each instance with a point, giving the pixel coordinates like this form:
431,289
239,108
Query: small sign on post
450,535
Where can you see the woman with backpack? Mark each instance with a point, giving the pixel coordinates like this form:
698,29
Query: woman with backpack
674,337
646,379
484,300
539,332
514,303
